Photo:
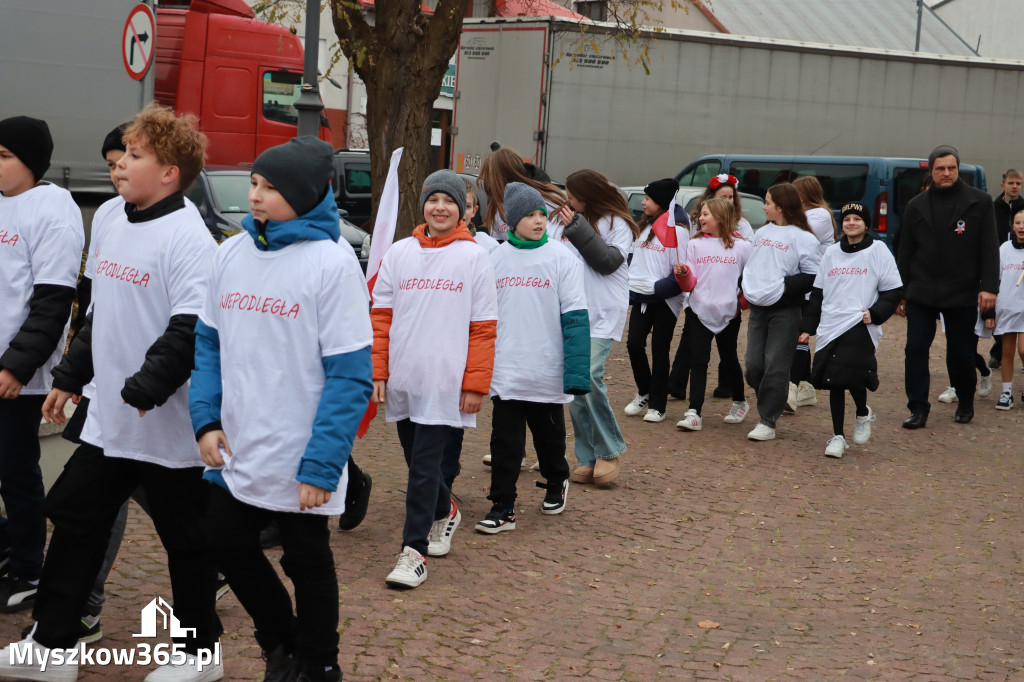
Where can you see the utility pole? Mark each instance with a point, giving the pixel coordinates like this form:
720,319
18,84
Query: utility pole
920,12
309,104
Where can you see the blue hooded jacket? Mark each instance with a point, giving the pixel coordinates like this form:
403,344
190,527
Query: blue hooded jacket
348,376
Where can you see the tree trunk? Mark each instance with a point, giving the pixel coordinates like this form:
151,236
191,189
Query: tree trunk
402,60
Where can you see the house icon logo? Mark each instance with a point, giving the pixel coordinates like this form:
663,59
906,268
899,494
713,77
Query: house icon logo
159,611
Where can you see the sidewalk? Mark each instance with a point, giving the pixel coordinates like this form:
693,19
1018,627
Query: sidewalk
713,558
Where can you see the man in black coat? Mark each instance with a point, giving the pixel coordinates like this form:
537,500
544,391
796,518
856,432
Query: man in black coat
949,262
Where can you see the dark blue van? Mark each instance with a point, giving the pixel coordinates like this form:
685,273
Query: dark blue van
884,184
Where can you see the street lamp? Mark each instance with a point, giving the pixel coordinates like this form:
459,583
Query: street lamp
309,105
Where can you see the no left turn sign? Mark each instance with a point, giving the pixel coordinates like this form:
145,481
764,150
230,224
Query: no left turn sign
138,41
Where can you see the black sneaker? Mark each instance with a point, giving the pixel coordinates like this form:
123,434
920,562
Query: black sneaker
994,362
222,585
315,672
16,594
357,499
498,519
280,665
1005,401
721,392
554,500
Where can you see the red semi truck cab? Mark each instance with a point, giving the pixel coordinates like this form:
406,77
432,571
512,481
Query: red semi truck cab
239,76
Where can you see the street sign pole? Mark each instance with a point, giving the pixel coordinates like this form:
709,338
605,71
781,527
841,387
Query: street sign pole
149,80
309,104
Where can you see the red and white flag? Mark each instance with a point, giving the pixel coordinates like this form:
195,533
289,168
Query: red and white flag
383,238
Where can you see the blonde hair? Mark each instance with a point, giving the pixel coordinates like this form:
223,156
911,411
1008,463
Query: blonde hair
470,192
173,139
813,196
724,213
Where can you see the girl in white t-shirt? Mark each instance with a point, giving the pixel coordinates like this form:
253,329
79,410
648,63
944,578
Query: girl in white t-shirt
656,298
597,228
823,225
711,273
1010,307
857,288
779,272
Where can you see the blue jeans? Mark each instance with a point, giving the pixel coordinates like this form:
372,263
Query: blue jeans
593,421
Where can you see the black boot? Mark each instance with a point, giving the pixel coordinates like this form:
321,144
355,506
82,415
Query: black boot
308,671
357,499
280,665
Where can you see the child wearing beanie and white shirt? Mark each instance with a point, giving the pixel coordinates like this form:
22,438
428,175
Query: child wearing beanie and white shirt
434,323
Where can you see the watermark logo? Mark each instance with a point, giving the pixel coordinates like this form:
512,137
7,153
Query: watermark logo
157,617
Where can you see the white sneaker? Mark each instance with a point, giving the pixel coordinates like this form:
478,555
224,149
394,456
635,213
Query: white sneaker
738,413
862,430
487,462
21,661
691,421
187,671
637,406
762,432
410,571
985,386
440,536
653,416
836,447
791,400
948,396
806,395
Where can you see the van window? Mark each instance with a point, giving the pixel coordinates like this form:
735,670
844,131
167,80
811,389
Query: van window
906,184
701,174
755,177
842,183
357,180
280,90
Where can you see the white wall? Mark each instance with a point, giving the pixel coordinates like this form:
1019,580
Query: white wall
1000,23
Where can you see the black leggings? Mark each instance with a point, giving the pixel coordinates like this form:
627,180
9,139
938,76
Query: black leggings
837,401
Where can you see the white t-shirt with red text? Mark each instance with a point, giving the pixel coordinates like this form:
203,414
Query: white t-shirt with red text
779,251
278,314
653,261
717,270
607,295
850,283
820,220
145,273
535,287
434,294
1010,301
41,239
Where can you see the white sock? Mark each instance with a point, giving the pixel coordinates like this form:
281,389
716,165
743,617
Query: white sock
1007,387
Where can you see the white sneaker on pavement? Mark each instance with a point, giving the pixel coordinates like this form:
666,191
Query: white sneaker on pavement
836,447
637,406
654,416
410,571
691,421
862,430
189,670
948,396
762,432
22,661
441,532
985,386
738,413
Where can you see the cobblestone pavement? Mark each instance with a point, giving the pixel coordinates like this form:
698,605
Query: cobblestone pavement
712,558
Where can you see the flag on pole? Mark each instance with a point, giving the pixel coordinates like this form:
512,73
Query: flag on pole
383,238
667,234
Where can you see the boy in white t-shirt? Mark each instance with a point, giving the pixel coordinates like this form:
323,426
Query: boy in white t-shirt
434,324
542,356
41,240
153,261
295,302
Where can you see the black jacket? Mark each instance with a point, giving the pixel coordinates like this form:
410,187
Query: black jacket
1004,215
946,261
41,332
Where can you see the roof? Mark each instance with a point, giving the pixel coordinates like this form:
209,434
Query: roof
535,8
881,24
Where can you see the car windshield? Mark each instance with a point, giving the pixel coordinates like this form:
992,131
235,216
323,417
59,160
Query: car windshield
230,191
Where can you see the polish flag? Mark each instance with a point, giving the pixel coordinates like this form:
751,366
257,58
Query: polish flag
383,238
667,234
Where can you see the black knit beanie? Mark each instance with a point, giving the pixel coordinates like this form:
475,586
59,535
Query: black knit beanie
301,169
662,191
857,208
28,139
940,151
114,140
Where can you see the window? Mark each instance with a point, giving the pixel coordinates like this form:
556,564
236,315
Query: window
701,174
357,180
280,90
230,191
595,10
757,177
842,183
636,205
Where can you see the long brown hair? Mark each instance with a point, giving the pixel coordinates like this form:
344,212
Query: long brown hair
813,196
600,198
724,214
502,167
787,198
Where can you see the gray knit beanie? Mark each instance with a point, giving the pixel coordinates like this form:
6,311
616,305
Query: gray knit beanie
301,169
521,199
445,182
943,150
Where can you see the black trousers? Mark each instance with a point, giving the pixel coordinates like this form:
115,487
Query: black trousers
427,498
83,504
311,631
961,347
700,356
23,531
451,464
651,377
508,444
